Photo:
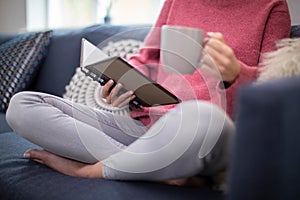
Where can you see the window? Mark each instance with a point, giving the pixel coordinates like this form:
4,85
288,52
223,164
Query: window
51,14
134,11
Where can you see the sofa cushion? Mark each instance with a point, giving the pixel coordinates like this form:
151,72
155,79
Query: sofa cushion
19,61
23,179
64,53
82,89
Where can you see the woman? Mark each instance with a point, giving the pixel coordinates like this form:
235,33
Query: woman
161,143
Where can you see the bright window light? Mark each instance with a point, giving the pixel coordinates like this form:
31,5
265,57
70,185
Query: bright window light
53,14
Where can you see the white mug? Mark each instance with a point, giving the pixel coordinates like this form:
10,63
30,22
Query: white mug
181,48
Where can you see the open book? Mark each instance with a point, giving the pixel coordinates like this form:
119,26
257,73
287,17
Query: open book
99,66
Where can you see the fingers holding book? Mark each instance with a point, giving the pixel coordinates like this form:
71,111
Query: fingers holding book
116,95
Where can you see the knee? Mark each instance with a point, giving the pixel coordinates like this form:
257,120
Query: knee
200,120
16,112
14,107
212,124
205,113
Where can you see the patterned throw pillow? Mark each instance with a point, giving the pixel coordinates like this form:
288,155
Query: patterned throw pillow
19,61
84,90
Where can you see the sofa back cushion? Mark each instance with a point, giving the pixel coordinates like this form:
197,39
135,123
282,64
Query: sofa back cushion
64,53
295,31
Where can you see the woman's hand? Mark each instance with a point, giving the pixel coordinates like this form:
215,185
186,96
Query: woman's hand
222,56
112,95
65,166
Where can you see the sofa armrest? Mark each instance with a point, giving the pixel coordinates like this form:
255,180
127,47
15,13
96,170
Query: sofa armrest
4,37
266,160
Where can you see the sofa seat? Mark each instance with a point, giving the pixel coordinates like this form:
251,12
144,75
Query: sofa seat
21,178
4,127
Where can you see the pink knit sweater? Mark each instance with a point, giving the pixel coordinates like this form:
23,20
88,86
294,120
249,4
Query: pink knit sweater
249,27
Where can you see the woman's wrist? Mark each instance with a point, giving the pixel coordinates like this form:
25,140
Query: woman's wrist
225,85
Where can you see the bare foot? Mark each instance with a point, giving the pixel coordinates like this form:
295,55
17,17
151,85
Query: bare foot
195,181
178,182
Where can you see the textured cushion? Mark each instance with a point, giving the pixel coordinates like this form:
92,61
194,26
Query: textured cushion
22,179
19,61
83,89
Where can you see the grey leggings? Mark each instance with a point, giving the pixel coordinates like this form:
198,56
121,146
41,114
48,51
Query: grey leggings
193,138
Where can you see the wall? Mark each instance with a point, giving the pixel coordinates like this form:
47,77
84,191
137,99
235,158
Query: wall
12,16
294,7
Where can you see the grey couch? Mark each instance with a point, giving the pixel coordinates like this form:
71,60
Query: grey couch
265,159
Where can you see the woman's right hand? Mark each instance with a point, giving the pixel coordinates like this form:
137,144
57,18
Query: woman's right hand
112,95
222,57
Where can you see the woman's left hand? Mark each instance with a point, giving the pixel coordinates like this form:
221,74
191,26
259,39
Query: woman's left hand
65,166
223,57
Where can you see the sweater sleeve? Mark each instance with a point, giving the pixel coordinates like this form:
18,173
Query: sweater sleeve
277,27
149,56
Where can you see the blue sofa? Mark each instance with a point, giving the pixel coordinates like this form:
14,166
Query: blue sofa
266,159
